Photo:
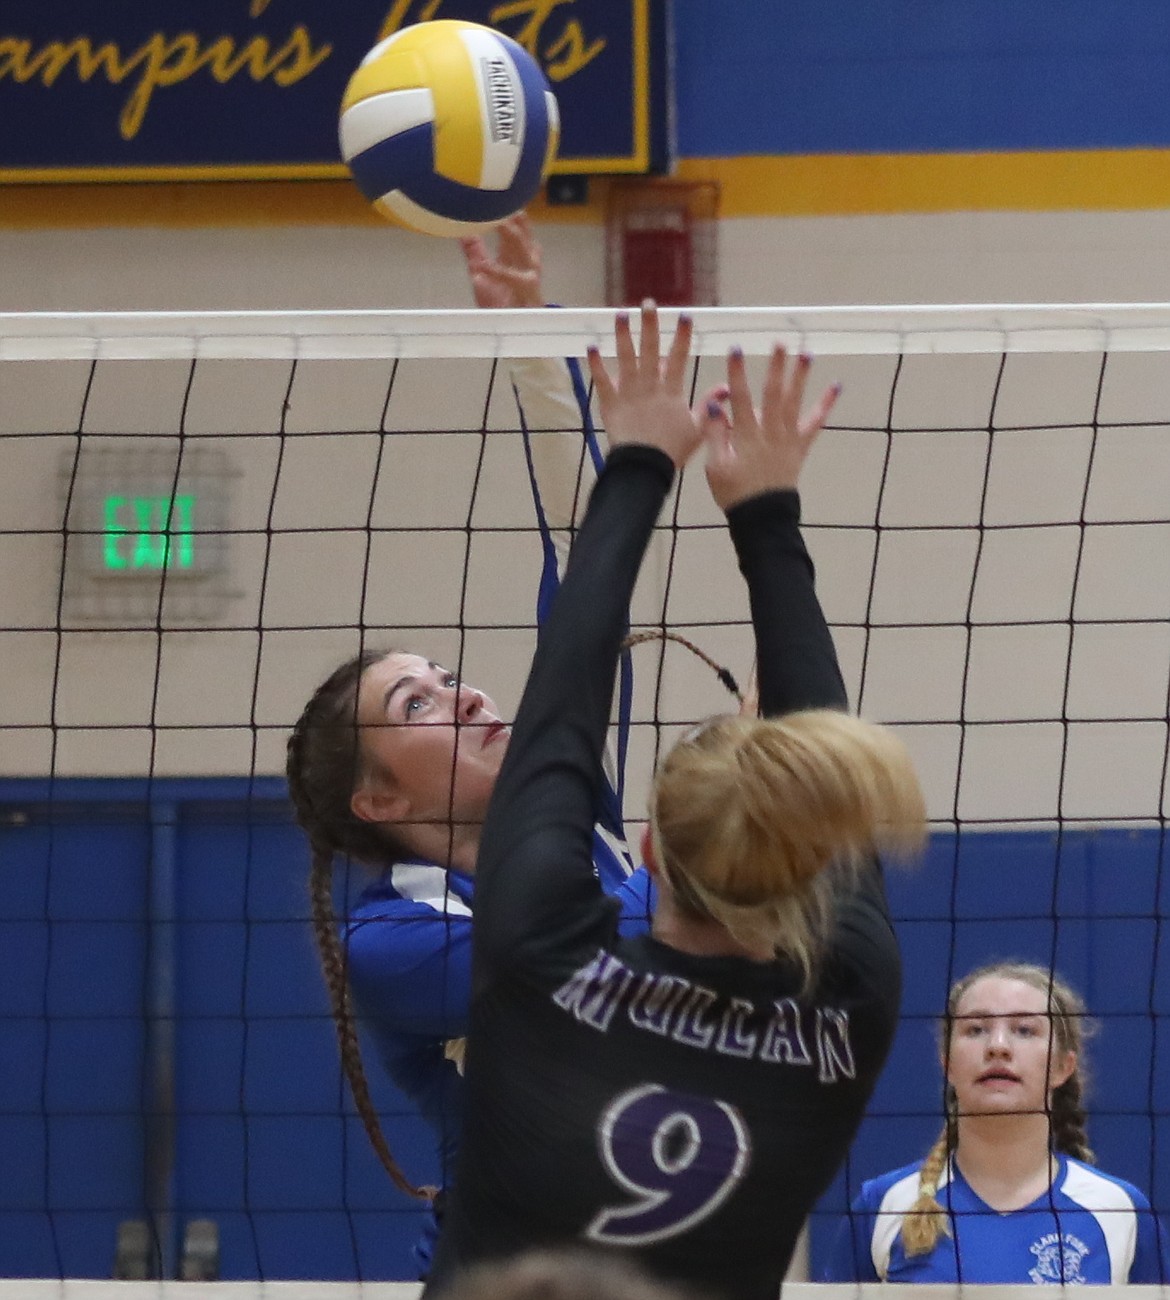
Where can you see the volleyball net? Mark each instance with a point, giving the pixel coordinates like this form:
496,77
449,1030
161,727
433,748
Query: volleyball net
203,514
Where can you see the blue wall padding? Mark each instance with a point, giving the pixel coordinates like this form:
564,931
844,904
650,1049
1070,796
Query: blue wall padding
268,1144
917,76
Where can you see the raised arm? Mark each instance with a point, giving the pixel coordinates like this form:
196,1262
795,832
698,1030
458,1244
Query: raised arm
754,459
563,453
550,397
535,887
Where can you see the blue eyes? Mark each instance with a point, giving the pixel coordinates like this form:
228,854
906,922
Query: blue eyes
415,703
976,1030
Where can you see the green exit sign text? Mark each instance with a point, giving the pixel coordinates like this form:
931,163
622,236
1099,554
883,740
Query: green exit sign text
146,534
147,531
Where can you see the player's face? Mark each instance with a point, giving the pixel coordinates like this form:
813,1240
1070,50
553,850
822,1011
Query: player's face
431,745
1002,1057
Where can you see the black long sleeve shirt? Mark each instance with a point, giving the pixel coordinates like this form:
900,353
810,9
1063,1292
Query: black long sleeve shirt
620,1091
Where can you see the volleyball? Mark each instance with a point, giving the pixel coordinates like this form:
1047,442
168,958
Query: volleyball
448,127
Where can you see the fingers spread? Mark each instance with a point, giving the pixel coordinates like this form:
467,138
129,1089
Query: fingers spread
717,434
627,357
715,426
711,403
739,393
650,344
820,413
519,223
679,354
602,383
516,244
474,249
774,380
795,395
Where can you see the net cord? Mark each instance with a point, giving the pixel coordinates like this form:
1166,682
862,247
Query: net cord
825,331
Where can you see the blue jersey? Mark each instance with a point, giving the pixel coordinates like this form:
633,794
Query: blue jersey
408,942
1088,1227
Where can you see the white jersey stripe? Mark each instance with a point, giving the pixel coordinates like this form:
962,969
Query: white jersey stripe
421,882
1113,1209
896,1202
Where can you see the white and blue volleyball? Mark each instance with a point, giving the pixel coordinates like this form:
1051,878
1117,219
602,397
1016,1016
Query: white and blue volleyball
449,127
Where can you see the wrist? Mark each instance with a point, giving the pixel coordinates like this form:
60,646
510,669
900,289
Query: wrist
642,454
767,501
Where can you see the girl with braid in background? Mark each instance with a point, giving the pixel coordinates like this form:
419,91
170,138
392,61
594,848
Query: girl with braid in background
1008,1193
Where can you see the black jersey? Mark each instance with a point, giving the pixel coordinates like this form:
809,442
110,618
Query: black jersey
620,1091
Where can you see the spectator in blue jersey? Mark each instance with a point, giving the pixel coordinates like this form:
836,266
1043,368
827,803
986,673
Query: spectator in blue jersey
404,791
1008,1194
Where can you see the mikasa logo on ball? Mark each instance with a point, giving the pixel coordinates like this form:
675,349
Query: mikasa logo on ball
502,98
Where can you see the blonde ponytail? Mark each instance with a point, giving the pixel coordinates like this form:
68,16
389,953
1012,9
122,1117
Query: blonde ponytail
749,814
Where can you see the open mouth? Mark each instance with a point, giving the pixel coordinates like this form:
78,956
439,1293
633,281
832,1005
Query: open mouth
998,1076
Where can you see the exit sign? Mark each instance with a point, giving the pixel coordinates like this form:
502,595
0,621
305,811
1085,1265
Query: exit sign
145,534
146,528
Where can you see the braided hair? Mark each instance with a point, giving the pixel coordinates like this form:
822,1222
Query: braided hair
323,764
926,1221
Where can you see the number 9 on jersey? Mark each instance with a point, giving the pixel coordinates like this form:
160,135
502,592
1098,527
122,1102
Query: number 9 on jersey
680,1156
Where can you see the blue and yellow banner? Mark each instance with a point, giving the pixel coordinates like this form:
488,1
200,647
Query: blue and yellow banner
249,89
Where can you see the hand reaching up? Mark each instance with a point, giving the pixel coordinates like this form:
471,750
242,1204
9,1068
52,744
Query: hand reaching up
512,277
758,451
647,404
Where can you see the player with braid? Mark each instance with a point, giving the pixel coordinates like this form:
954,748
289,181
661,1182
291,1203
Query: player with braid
323,763
392,763
1008,1193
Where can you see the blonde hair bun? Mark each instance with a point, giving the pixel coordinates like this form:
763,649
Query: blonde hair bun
748,814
